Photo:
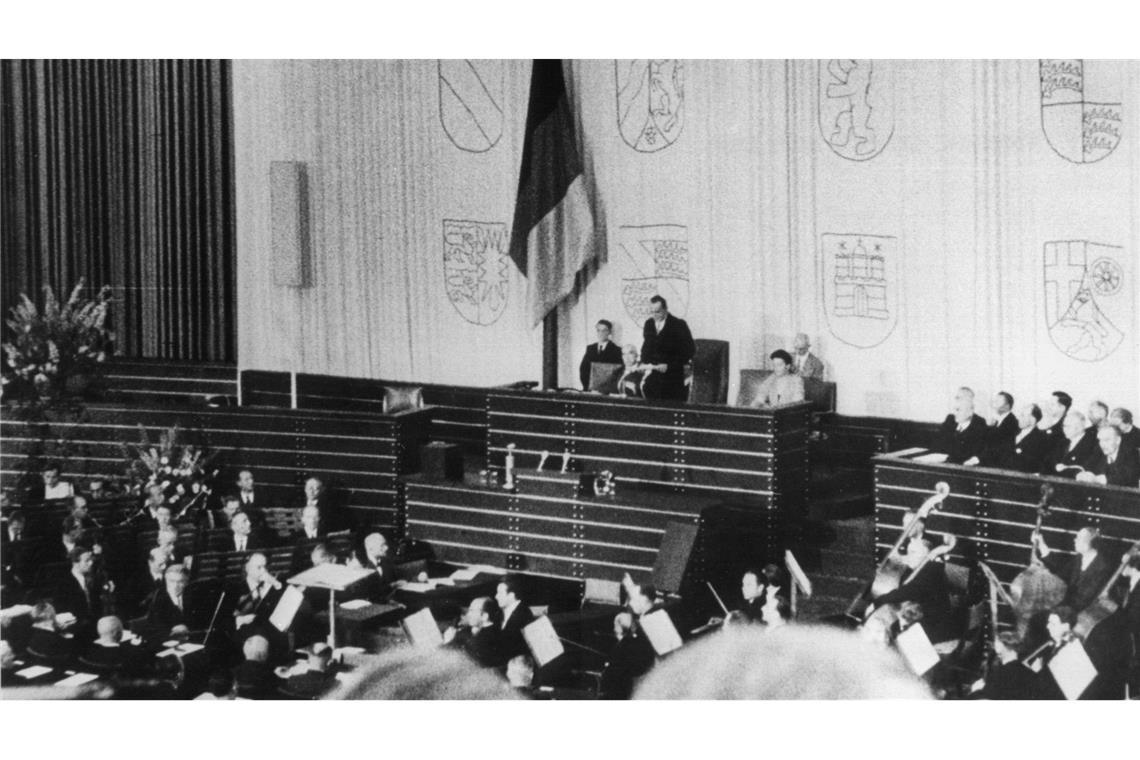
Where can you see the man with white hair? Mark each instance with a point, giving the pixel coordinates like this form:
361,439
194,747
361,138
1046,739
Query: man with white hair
254,678
110,656
1117,466
172,612
805,364
311,527
375,557
1075,452
963,433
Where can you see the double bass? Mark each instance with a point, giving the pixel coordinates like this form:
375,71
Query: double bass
1104,606
890,571
1036,588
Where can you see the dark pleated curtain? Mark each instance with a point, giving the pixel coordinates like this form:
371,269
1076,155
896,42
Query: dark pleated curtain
121,172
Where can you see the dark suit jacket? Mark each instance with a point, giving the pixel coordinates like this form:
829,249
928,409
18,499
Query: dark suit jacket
1124,470
631,658
312,684
378,585
1026,456
1084,586
513,643
484,647
1007,429
50,648
611,355
930,589
674,347
1011,680
164,615
256,541
959,447
124,660
69,597
1131,613
18,558
1131,439
255,680
1085,455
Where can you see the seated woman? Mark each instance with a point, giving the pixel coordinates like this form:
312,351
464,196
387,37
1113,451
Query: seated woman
629,384
781,387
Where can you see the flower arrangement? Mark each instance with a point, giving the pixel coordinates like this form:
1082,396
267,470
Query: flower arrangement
181,469
56,350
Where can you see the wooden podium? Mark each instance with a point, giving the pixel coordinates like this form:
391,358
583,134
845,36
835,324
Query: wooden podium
335,578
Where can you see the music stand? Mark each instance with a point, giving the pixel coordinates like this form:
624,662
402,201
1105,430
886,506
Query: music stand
335,578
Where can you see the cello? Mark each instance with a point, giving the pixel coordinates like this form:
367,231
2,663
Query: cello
890,571
1104,606
1036,588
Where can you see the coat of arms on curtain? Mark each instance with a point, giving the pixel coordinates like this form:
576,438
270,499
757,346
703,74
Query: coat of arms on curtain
860,286
475,269
856,107
1081,112
471,103
654,261
650,102
1086,297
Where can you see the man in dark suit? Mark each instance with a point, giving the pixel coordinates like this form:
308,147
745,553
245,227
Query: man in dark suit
17,554
1005,425
479,636
1098,415
47,645
631,657
1085,574
255,678
1010,678
316,495
1058,409
667,346
1117,466
1027,450
605,351
242,537
962,435
78,594
928,588
515,616
140,592
109,656
1075,452
172,611
374,557
1121,419
312,528
257,596
250,498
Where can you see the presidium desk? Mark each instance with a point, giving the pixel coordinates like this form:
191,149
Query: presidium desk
994,512
670,463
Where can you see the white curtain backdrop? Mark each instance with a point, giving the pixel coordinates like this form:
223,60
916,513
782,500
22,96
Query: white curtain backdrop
900,213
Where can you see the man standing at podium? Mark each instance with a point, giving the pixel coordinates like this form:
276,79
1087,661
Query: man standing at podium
667,346
605,351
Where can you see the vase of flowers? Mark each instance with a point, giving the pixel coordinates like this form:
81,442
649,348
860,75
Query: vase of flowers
56,352
183,470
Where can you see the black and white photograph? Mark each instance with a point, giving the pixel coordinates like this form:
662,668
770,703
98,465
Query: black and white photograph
762,376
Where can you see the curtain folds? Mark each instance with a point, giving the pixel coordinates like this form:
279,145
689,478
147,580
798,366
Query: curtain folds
120,172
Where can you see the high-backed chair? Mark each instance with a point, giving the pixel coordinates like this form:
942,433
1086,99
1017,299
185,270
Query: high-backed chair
708,383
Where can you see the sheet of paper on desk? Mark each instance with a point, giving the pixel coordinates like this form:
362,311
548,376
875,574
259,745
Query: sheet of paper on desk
662,634
916,649
33,671
908,452
1072,669
180,649
465,574
933,458
417,588
355,604
77,680
441,581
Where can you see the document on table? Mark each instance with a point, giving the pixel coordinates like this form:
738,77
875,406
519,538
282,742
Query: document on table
933,458
77,680
33,671
355,604
417,588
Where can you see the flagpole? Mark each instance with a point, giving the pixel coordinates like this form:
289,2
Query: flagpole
550,349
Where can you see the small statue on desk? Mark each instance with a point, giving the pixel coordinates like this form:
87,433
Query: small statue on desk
542,461
565,461
509,477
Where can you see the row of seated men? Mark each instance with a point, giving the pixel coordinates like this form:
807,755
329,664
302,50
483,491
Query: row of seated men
1050,439
1079,579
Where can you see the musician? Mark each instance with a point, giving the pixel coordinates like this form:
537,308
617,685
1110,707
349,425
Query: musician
1106,649
925,584
776,612
1076,452
145,586
1130,608
1010,678
48,644
805,364
514,615
920,531
172,611
375,557
1027,450
478,634
1056,409
1085,573
754,594
1121,419
78,593
667,346
317,496
109,656
963,433
631,657
17,554
255,678
318,677
780,387
1118,466
605,351
78,517
258,595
